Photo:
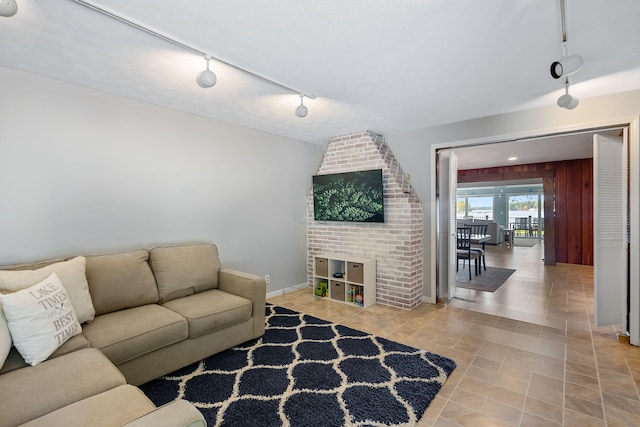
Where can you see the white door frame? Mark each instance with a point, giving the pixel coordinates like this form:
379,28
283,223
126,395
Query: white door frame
633,122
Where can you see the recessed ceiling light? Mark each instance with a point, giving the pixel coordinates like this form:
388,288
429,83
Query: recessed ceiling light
511,159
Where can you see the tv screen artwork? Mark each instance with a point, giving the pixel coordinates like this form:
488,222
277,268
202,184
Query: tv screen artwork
349,196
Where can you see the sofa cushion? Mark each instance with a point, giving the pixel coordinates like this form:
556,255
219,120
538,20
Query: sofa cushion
211,310
184,270
41,318
71,273
5,338
127,334
64,380
121,281
15,361
113,407
176,413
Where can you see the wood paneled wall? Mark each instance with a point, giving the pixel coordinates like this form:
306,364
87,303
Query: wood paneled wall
573,197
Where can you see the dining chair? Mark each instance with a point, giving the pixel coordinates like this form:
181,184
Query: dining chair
479,230
524,225
464,252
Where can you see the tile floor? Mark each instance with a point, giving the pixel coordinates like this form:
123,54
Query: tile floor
528,354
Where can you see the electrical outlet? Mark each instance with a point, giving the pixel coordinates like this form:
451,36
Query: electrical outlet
267,278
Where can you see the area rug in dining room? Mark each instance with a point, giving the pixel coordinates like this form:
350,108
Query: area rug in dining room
489,281
306,371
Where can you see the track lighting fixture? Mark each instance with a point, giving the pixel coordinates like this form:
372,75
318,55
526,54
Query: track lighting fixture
8,8
206,78
567,101
566,66
302,111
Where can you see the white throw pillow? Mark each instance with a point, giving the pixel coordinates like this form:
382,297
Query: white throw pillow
41,318
5,338
72,274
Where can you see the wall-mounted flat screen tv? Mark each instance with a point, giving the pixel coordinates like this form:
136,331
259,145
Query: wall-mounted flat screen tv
349,196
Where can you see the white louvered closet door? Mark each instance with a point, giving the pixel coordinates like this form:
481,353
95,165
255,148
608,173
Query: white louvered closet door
610,230
447,189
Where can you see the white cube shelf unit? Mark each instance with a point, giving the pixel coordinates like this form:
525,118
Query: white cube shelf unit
344,278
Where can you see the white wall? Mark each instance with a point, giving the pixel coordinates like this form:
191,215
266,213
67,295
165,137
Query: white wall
414,149
83,171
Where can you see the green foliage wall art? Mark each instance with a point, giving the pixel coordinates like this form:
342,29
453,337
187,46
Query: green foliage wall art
351,196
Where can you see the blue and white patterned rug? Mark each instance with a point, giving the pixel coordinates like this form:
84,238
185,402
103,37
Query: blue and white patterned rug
306,371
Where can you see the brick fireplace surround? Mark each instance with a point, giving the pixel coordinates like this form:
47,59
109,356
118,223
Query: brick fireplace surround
396,245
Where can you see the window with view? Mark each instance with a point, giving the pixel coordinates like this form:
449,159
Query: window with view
476,207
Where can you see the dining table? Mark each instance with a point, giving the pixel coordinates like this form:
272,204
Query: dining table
480,239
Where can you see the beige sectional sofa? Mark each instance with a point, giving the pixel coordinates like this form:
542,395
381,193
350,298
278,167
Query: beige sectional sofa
493,228
146,314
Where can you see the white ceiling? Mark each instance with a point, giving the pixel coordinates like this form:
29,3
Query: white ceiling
378,65
533,150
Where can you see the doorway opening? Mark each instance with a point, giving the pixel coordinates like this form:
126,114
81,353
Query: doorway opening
536,227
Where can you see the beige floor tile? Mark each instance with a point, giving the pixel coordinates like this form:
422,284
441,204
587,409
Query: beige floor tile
530,328
545,388
531,420
467,417
538,363
576,419
469,344
490,365
499,380
579,379
619,384
433,411
468,399
585,407
494,392
622,403
551,349
502,412
580,369
443,422
544,409
516,372
591,394
581,356
620,417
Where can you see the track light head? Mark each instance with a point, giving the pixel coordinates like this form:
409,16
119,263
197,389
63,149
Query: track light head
302,111
8,8
567,101
566,66
205,78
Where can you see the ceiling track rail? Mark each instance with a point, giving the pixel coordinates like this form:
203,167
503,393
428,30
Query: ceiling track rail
563,20
184,45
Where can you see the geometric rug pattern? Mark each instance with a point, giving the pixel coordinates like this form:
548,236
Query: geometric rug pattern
307,371
489,281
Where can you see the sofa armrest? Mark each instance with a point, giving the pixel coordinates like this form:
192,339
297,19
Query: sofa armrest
248,286
244,285
179,413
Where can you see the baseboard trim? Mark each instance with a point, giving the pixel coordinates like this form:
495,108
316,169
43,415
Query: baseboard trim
430,300
280,292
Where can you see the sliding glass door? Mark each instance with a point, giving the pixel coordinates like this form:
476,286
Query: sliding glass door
526,215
